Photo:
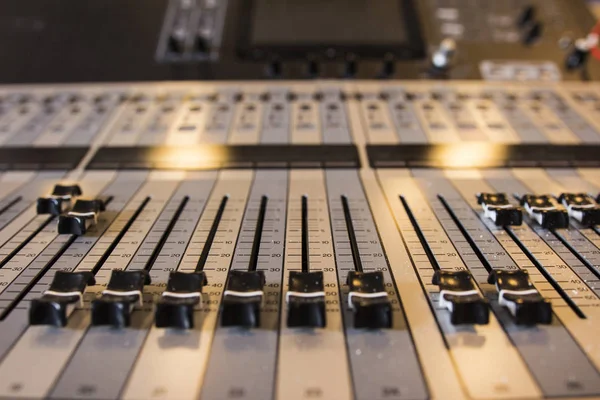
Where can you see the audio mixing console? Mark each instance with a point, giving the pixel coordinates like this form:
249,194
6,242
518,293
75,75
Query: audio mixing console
324,240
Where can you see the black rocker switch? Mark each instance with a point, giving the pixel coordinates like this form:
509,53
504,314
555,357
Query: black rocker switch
497,208
368,300
306,300
517,293
124,290
459,295
59,201
65,290
526,16
175,309
546,211
81,217
242,299
581,207
532,33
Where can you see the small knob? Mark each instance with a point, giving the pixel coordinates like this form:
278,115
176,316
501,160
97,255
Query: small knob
177,41
274,68
201,44
578,56
388,68
313,68
443,57
350,66
526,16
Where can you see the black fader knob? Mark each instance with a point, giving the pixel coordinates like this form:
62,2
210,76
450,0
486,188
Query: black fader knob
242,299
124,291
546,211
368,300
81,217
306,300
497,208
460,296
517,293
65,290
581,207
175,309
59,200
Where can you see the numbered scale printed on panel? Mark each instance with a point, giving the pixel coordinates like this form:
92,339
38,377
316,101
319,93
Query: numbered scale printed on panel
223,242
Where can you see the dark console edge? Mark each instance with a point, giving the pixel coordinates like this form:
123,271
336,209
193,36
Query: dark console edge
208,157
40,158
483,155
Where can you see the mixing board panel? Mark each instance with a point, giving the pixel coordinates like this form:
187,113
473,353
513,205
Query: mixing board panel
300,241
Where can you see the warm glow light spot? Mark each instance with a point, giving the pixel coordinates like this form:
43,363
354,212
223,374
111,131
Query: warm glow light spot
467,155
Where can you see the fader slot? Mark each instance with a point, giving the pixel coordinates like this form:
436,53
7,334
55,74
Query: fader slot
358,248
254,358
311,360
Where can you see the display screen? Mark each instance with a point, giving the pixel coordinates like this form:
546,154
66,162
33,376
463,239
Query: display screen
364,27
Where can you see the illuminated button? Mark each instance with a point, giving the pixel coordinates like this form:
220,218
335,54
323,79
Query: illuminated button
65,290
59,201
460,296
175,309
497,208
123,292
581,207
517,293
242,299
368,300
306,300
546,211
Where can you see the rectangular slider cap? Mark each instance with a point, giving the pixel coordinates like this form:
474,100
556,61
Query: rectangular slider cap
175,309
305,300
368,300
124,290
546,211
59,200
242,299
460,296
81,217
497,208
517,293
65,290
581,207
